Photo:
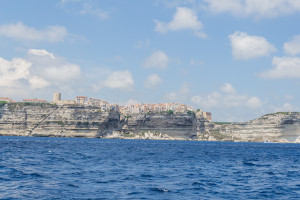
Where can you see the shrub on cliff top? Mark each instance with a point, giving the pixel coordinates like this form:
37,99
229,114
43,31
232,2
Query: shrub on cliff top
2,103
170,112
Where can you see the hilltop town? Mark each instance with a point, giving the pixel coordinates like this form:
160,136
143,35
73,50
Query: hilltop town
96,118
105,106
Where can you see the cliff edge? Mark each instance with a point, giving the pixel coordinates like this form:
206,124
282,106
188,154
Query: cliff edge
275,127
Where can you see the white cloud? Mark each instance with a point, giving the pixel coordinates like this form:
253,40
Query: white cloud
39,69
24,33
63,72
38,83
13,72
152,81
227,98
117,80
200,34
293,47
87,9
219,6
228,88
55,70
40,52
212,100
254,102
255,8
184,19
284,67
246,47
158,60
287,107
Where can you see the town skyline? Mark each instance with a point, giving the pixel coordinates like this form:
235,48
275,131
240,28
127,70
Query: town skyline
238,59
126,110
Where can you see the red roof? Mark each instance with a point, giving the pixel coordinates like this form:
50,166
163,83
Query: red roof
34,100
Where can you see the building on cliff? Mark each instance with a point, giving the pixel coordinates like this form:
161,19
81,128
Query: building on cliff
57,100
104,105
35,100
141,108
8,100
207,115
56,96
81,100
155,108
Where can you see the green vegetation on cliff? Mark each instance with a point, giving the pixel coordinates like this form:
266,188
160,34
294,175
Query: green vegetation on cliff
20,105
2,103
280,113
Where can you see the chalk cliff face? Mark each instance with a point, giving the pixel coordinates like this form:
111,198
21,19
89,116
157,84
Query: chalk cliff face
23,119
50,120
178,126
277,127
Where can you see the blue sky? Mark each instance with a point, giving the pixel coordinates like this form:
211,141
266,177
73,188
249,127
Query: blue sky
238,59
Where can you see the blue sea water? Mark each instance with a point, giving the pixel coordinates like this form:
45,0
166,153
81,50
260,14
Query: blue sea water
80,168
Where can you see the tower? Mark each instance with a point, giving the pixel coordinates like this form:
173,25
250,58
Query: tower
56,97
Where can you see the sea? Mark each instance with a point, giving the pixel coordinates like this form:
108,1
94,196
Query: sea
82,168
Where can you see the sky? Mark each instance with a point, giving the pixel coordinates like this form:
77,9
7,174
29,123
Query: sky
238,59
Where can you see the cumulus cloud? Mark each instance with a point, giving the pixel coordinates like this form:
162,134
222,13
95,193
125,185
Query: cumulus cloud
255,8
293,47
226,98
254,102
286,107
88,9
40,52
21,32
117,80
152,81
54,69
228,88
211,100
284,67
184,19
13,72
158,60
63,72
37,70
38,83
246,47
